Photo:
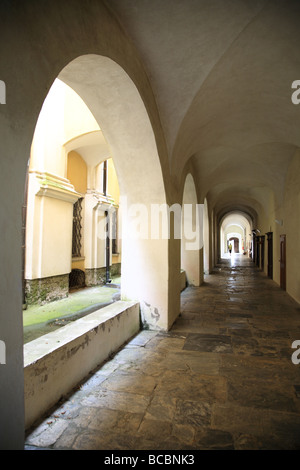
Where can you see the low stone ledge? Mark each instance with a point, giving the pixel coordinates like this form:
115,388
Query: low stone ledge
55,363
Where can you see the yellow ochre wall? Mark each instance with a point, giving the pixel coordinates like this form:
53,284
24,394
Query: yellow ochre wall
77,172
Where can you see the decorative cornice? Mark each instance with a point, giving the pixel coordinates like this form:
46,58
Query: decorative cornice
102,202
55,187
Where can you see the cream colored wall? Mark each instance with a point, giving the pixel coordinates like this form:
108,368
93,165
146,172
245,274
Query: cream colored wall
206,239
63,117
77,175
112,183
267,223
282,218
78,119
114,191
113,194
49,226
56,237
191,252
291,226
95,205
269,220
77,172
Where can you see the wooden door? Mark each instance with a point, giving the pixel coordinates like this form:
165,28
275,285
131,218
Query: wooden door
253,246
283,262
262,252
257,250
270,254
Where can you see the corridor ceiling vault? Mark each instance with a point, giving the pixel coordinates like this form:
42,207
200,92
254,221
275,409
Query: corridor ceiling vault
221,73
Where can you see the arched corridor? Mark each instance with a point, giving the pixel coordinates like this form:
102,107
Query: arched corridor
198,103
221,378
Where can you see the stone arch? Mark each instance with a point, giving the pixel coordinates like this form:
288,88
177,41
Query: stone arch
145,269
192,233
118,108
235,224
41,51
206,238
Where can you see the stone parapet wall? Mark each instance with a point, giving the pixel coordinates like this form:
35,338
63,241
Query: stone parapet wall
55,363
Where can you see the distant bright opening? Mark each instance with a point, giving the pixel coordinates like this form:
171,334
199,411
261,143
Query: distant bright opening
235,235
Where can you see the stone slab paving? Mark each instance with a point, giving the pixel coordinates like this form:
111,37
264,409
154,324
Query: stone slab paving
222,378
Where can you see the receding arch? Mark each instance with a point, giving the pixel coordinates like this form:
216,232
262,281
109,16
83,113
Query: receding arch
206,239
116,104
192,234
235,225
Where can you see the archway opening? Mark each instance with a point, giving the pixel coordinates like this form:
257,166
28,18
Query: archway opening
66,169
234,242
235,234
69,167
206,239
192,234
119,110
120,119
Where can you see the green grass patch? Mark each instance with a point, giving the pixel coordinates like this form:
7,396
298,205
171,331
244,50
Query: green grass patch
36,314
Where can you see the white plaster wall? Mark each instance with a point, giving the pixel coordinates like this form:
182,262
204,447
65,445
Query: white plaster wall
56,234
49,226
63,117
268,222
117,106
192,235
206,239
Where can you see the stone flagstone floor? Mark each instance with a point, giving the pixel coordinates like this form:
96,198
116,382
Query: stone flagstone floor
222,378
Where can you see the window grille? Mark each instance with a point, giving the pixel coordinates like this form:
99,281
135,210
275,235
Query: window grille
114,232
77,226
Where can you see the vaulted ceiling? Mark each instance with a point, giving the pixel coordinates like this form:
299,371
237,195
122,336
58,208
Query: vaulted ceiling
221,73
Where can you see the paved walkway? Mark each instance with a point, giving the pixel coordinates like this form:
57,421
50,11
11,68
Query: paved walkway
222,378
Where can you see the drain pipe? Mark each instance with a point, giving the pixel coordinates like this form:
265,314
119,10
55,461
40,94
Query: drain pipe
107,248
24,223
107,241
